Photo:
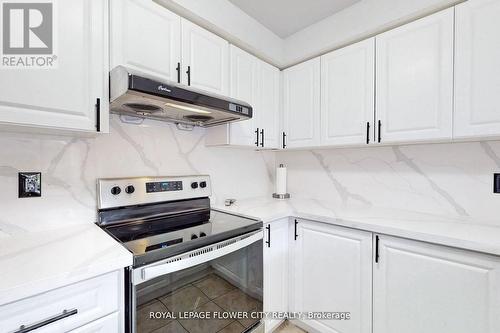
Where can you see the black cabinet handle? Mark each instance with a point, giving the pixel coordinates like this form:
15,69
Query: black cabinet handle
257,136
178,69
376,249
296,234
284,138
188,72
268,242
262,138
379,131
368,133
98,115
63,315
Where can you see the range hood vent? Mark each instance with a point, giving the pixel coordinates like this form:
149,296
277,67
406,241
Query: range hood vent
138,95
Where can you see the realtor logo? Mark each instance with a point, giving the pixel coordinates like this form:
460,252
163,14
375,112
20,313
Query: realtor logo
27,34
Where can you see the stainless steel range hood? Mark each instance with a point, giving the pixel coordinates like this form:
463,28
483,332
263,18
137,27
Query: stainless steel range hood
138,95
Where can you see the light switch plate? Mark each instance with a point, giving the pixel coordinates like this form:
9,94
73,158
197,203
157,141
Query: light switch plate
30,184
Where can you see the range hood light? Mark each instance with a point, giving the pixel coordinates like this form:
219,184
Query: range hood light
187,108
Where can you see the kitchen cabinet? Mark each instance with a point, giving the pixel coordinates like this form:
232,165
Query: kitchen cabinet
419,287
301,105
257,83
414,80
72,95
332,271
79,305
205,59
477,70
348,95
276,270
146,37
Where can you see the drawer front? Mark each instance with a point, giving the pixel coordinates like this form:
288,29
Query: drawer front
66,308
108,324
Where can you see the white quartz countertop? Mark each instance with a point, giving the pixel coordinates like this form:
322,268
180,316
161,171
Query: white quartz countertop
465,233
35,262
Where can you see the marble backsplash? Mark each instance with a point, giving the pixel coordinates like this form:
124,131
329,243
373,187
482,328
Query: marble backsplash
452,180
70,167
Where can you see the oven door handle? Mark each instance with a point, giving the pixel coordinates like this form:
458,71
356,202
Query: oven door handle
195,257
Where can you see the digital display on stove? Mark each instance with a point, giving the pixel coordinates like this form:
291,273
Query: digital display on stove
163,186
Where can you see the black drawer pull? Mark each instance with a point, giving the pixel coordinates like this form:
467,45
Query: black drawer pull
257,136
368,133
63,315
262,138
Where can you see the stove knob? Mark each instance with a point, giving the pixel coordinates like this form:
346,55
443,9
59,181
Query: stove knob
130,189
193,236
115,190
203,184
194,185
202,234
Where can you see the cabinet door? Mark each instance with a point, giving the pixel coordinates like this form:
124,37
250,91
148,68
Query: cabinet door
268,112
415,80
244,85
206,57
348,95
65,96
145,37
333,273
419,287
301,104
477,69
276,270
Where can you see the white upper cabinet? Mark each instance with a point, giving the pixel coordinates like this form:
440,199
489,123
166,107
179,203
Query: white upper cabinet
67,96
419,287
332,271
205,59
244,86
257,83
146,37
414,80
301,104
348,95
268,107
477,69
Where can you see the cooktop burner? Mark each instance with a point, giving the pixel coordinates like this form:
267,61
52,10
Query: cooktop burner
152,227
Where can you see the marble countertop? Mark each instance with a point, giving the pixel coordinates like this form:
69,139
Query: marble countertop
35,262
465,233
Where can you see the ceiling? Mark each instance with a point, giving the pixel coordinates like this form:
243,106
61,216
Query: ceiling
285,17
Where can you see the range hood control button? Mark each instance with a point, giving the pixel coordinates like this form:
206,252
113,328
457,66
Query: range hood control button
202,234
130,189
203,184
115,190
193,236
194,185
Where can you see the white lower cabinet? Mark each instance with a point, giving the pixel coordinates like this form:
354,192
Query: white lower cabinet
70,307
332,272
275,271
420,287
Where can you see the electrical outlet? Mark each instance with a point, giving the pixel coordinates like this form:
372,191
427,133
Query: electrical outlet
496,183
30,184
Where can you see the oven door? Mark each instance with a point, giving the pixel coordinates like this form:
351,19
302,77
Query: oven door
213,288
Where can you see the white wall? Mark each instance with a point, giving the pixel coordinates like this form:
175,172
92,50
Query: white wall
70,167
231,23
362,20
448,180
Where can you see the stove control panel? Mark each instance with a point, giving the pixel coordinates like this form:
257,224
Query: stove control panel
121,192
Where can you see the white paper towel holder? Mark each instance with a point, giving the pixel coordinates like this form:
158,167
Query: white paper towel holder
282,195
